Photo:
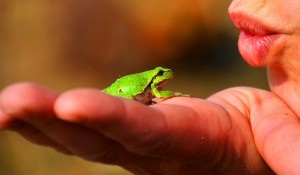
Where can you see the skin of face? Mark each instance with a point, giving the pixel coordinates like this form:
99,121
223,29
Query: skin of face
280,21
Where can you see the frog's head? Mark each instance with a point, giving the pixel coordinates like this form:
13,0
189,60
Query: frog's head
162,76
163,73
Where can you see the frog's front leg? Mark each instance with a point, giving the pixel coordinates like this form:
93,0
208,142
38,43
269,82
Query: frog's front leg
163,94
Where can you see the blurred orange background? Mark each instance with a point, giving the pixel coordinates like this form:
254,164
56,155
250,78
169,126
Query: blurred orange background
52,42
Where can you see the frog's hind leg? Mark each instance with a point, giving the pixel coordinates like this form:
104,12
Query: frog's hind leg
145,97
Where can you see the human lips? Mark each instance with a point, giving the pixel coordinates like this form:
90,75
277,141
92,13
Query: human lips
255,40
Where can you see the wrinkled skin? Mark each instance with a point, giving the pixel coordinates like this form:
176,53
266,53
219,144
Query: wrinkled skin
236,131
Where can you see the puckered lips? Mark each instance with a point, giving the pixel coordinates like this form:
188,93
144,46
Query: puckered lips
255,39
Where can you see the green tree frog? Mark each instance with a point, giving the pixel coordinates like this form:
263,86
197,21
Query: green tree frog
144,86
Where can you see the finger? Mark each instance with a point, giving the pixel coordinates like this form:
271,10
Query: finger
11,123
31,133
29,112
15,99
162,129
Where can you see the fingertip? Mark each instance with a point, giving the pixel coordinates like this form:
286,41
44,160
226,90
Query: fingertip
19,86
81,104
25,97
66,105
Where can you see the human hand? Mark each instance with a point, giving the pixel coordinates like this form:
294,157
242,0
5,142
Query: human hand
220,135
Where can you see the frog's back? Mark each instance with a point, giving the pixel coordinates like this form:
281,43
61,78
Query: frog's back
129,86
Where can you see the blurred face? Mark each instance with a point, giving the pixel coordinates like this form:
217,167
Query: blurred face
270,31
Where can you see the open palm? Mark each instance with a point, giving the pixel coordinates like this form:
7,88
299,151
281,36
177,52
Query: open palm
232,132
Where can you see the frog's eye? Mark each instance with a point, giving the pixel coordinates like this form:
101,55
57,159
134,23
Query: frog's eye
160,73
120,90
